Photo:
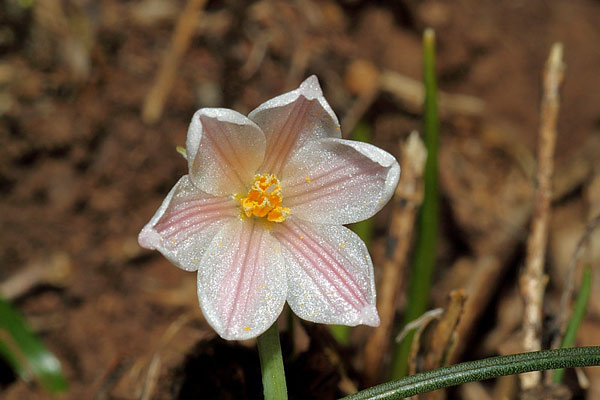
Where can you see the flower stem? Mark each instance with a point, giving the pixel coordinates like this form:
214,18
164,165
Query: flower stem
479,370
271,364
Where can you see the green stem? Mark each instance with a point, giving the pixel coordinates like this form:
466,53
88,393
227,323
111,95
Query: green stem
424,258
482,369
578,314
271,364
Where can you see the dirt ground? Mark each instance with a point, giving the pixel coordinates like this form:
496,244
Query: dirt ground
84,164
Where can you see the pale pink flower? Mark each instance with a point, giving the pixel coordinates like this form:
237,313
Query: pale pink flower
260,215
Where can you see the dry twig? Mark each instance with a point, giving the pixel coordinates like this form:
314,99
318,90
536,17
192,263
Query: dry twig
408,197
180,41
444,335
533,281
421,324
441,342
56,271
411,94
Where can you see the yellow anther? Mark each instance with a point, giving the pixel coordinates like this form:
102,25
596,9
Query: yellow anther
264,199
307,179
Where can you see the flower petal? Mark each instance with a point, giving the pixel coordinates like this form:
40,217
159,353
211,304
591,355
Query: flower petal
224,150
330,273
186,223
242,281
291,119
337,181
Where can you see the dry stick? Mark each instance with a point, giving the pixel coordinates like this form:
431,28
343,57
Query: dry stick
411,93
55,271
424,321
442,342
533,281
180,41
408,197
445,331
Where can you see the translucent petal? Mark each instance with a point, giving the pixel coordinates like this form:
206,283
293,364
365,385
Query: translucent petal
224,150
337,181
242,280
329,272
291,119
186,223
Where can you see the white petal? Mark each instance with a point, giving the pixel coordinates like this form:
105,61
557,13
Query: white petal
337,181
242,281
224,151
330,273
186,223
291,119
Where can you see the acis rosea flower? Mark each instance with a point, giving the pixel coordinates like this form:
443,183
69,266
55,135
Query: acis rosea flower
260,215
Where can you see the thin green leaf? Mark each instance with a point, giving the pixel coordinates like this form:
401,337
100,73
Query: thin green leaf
424,258
26,353
480,370
578,314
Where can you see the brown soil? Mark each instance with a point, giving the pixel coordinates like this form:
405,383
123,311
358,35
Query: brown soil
81,173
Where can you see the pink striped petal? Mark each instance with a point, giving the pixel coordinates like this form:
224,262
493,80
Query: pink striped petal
224,150
329,272
337,181
291,119
242,281
186,223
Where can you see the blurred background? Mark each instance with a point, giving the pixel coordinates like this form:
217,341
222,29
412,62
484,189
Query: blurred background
96,95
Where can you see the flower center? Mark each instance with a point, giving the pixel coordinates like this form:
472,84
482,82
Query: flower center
264,199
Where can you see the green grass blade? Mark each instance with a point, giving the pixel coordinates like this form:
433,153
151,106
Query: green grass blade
424,258
578,314
26,353
480,370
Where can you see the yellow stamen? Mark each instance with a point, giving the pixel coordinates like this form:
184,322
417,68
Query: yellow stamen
264,199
